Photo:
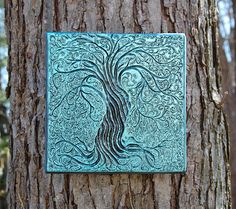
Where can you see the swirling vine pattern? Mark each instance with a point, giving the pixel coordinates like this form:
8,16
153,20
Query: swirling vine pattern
115,102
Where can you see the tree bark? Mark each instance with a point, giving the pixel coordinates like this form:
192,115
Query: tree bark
207,181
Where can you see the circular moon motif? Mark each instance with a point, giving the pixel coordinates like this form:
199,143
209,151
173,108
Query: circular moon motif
131,78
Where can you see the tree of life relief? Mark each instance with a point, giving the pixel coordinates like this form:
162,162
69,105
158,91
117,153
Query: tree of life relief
116,102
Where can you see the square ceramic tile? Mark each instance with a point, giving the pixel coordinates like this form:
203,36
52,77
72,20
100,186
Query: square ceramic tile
116,103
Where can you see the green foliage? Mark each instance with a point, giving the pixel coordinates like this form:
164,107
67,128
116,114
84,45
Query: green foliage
3,98
3,49
3,41
1,3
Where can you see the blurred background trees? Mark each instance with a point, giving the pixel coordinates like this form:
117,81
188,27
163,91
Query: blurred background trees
227,20
3,111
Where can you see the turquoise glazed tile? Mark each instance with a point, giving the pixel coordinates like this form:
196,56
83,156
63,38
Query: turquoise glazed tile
116,103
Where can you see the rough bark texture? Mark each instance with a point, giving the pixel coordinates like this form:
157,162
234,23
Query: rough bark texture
207,181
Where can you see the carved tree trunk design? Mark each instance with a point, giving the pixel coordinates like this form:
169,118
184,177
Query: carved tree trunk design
207,181
112,128
117,111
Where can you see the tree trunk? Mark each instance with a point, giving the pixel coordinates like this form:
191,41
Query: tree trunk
207,181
